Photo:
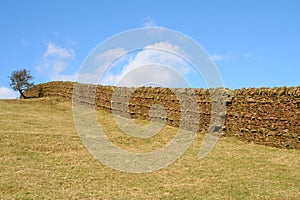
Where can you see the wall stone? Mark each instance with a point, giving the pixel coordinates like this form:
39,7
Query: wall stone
268,116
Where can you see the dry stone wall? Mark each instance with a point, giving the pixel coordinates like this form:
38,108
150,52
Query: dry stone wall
268,116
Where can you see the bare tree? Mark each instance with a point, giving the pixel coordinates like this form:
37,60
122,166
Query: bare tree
20,80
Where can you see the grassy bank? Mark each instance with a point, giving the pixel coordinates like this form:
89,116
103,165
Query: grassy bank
42,156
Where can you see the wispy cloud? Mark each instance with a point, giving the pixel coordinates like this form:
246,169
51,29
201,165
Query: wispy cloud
148,22
55,61
7,93
55,33
95,66
110,54
248,55
55,51
218,57
24,42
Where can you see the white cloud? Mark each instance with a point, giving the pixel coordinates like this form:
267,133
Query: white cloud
65,77
95,66
8,93
55,33
216,57
55,61
163,54
105,57
58,52
248,55
152,75
148,22
24,42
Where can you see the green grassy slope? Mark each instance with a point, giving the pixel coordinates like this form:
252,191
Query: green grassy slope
42,156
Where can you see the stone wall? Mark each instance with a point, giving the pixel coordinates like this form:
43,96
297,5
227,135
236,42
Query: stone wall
269,116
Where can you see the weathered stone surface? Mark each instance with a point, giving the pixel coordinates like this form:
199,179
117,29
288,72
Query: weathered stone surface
269,116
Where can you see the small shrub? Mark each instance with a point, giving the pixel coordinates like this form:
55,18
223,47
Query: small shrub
41,92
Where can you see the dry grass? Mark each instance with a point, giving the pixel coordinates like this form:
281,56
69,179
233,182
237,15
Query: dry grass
42,157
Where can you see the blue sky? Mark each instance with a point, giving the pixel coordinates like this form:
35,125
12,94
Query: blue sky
253,43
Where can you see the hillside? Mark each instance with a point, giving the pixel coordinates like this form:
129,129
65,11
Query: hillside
42,157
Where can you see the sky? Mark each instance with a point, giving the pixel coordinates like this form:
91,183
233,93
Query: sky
253,43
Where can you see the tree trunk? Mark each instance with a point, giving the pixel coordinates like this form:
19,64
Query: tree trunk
22,94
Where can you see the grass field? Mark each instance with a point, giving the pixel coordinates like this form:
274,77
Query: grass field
42,157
